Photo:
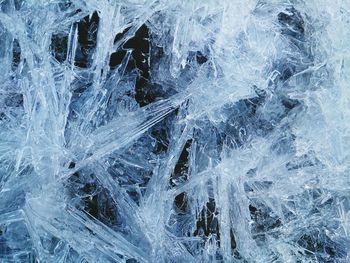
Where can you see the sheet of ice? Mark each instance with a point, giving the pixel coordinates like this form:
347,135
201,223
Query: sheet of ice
174,131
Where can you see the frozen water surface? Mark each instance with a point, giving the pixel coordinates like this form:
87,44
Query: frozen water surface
174,131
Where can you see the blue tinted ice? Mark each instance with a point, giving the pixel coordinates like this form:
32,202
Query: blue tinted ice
174,131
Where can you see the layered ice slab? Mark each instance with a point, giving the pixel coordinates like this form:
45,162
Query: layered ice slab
174,131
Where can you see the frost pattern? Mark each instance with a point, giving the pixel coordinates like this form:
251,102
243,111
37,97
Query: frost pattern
174,131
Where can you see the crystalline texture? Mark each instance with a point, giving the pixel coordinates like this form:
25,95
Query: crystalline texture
174,131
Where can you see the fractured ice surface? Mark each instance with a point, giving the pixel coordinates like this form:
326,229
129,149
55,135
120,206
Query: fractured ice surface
174,131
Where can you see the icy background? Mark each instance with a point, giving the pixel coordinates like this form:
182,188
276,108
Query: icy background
174,131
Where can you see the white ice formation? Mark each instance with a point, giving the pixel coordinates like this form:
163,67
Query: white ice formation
175,131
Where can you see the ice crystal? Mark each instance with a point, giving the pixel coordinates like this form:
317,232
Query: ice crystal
174,131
